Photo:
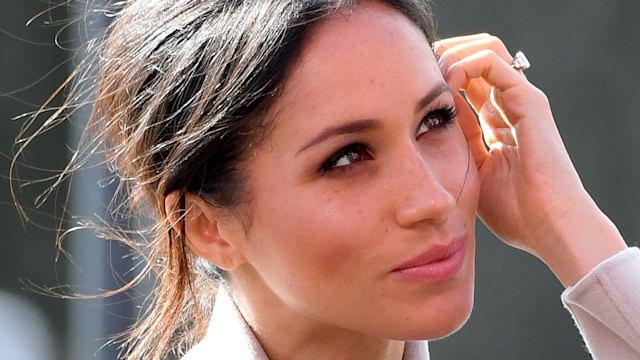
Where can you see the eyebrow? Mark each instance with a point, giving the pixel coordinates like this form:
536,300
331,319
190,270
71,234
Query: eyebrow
350,128
432,95
367,124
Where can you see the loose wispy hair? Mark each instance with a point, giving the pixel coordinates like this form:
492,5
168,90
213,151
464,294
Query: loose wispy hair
179,91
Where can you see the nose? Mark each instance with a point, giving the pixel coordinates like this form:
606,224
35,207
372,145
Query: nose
423,195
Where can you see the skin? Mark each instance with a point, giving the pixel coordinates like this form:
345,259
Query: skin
531,195
312,273
361,220
317,259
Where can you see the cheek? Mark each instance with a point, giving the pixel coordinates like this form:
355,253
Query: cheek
451,161
316,233
469,193
308,247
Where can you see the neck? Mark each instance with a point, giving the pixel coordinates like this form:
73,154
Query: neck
334,345
285,333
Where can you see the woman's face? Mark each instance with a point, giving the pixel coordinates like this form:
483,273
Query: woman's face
363,197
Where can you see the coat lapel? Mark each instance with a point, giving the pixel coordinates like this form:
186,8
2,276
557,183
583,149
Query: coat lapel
228,335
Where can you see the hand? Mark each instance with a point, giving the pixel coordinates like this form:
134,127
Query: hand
531,196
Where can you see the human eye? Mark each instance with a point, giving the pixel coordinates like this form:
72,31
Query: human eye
436,119
345,158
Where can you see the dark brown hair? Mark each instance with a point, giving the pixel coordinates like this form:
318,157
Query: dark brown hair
180,94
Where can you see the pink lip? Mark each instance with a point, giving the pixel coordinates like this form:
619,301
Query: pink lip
437,264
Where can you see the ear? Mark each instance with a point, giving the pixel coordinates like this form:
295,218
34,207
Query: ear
208,232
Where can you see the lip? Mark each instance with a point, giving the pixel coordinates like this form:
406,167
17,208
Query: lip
437,264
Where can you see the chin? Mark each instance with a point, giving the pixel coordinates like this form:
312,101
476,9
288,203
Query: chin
456,311
457,320
450,319
440,318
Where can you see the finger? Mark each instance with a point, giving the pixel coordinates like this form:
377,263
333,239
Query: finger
494,129
482,98
441,45
461,50
471,130
521,101
477,90
477,93
497,73
492,114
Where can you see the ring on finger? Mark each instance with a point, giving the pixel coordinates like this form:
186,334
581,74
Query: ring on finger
520,61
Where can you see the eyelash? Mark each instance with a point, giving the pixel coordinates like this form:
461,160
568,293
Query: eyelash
445,115
331,164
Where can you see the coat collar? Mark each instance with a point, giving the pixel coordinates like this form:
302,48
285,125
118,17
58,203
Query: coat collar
230,337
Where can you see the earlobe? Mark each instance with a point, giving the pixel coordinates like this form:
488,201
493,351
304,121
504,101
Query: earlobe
208,232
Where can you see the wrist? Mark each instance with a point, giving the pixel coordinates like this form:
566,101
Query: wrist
578,242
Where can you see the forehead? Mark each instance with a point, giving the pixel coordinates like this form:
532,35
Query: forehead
350,33
371,19
356,57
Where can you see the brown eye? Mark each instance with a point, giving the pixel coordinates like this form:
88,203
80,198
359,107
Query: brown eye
436,119
346,157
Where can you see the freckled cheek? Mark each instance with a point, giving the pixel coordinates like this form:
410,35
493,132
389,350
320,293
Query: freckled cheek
326,235
338,239
319,234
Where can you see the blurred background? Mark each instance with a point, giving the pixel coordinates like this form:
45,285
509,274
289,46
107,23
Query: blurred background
584,55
